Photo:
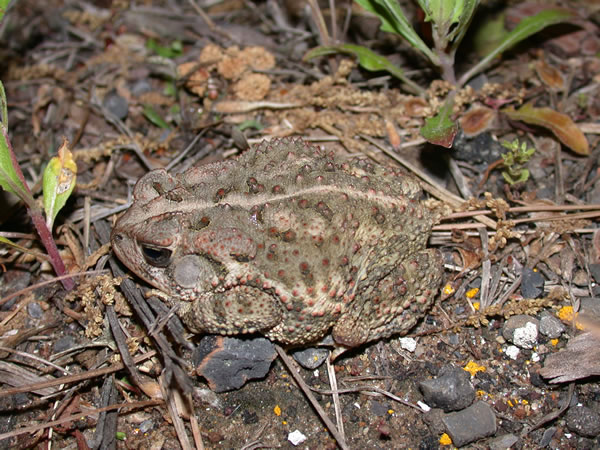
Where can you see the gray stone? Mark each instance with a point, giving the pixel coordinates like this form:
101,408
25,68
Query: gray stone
584,421
227,362
551,326
503,442
451,390
310,358
116,104
34,310
532,283
471,424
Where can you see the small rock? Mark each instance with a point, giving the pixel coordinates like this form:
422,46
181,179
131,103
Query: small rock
141,87
584,421
116,104
296,437
433,419
471,424
532,283
311,358
503,442
550,326
521,330
408,344
227,362
34,310
146,426
451,390
482,148
547,437
512,352
379,408
63,343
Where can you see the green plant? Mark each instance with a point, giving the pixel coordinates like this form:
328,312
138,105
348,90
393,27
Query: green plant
514,161
58,182
450,20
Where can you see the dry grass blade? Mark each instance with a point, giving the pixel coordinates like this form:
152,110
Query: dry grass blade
74,417
311,398
73,378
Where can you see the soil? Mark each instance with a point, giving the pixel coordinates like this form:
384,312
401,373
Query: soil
140,85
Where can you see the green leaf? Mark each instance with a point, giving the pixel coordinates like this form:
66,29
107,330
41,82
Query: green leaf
488,33
250,123
394,21
9,180
3,8
441,129
173,51
367,59
58,182
527,27
153,116
3,106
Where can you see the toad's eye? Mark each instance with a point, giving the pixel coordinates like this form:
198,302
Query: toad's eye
156,256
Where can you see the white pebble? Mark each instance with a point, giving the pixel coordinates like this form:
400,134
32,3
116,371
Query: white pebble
296,437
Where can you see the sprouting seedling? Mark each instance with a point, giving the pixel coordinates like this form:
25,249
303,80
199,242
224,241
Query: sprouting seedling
514,161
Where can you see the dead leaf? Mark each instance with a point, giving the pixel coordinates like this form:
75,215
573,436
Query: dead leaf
477,120
560,124
550,75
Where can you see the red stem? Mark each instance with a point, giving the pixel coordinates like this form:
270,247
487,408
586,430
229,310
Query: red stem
39,222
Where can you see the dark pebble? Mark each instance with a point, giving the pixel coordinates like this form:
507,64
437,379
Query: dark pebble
310,358
116,104
482,148
227,362
34,310
451,390
547,437
532,283
470,424
63,343
584,421
503,442
379,408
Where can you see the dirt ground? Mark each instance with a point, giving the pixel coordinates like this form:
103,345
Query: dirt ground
140,85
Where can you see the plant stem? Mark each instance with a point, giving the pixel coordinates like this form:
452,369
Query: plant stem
50,245
38,221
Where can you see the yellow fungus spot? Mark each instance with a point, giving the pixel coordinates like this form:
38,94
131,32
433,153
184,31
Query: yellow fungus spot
554,342
566,313
284,422
472,367
476,305
277,410
472,292
391,411
445,439
510,403
524,402
448,289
